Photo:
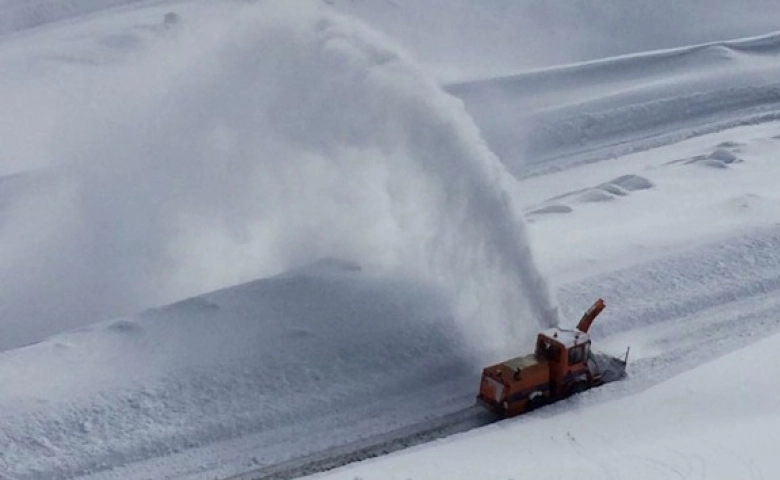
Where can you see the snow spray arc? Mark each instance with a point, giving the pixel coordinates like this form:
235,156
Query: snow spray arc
282,134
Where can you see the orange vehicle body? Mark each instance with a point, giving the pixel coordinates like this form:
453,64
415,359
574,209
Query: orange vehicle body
562,364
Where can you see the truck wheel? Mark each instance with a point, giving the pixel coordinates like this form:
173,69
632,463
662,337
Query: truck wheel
536,401
578,387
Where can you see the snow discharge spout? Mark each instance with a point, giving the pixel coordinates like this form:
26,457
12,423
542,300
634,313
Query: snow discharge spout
271,135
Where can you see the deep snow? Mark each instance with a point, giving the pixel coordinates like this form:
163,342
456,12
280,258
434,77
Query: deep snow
149,159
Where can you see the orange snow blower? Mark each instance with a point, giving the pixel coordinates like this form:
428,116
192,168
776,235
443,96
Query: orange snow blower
562,365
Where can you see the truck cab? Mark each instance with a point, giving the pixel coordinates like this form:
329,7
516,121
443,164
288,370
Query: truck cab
567,353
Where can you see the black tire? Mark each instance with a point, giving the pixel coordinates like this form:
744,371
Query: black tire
537,402
578,387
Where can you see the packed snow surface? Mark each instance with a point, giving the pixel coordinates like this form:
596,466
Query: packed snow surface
370,237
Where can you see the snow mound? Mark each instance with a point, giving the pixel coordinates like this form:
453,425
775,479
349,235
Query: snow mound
550,209
629,183
721,158
604,192
724,156
595,195
265,359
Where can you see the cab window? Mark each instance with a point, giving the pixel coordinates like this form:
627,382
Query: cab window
576,355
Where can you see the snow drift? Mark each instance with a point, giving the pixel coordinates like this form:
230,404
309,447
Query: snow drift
325,345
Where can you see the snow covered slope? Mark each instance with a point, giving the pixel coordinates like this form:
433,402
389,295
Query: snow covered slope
271,359
623,210
545,120
164,149
459,39
463,39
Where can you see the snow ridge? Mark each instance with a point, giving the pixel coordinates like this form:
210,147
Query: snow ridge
547,120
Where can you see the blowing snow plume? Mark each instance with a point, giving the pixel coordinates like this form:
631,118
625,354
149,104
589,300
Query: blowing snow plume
269,136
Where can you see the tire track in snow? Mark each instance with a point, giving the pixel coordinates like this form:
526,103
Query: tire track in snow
461,421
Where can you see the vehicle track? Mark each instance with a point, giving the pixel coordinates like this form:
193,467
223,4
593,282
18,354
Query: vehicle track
331,458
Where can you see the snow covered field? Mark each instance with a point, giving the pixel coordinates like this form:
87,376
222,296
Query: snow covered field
374,226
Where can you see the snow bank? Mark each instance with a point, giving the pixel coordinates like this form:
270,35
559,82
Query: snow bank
257,138
326,349
545,120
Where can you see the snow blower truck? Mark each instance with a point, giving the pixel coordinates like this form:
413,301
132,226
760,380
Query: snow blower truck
562,365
